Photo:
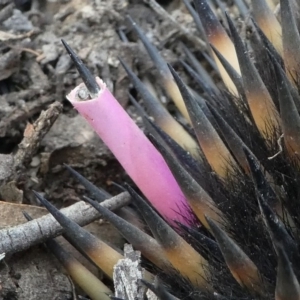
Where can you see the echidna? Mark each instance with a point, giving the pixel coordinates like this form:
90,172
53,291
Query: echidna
222,187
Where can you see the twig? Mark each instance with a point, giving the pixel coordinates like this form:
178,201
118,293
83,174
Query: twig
34,134
35,53
23,236
165,15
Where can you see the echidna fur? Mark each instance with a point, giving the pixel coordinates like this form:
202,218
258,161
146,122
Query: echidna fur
260,207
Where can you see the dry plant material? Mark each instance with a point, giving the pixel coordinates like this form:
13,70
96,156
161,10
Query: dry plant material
33,135
23,236
128,274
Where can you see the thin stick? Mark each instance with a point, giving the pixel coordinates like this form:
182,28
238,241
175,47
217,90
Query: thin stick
34,134
23,236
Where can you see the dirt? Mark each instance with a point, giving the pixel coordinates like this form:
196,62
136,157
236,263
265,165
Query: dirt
39,130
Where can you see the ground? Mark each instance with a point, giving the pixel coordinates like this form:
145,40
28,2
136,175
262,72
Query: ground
39,130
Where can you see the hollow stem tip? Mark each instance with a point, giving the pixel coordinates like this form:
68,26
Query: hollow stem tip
133,150
85,74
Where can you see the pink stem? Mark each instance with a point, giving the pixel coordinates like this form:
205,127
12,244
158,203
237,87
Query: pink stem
142,162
